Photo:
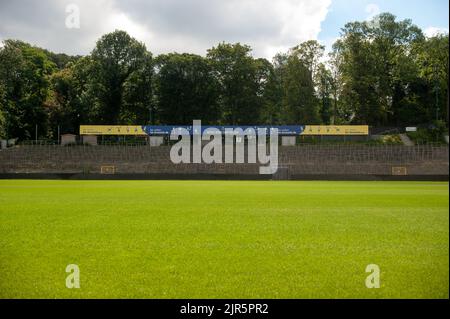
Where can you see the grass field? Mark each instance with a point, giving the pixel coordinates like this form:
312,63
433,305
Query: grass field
217,239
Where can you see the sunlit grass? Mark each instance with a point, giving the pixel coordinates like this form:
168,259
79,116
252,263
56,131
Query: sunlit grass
223,239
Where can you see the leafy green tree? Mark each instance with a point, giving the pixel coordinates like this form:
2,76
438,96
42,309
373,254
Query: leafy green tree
61,60
120,79
271,112
71,98
371,55
339,113
24,78
310,53
324,88
186,89
239,77
358,93
290,92
2,115
432,56
299,101
2,118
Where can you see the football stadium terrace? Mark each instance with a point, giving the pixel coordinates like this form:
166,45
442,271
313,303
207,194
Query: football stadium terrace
310,161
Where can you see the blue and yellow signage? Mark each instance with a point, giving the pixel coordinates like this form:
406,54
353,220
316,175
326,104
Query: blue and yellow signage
312,130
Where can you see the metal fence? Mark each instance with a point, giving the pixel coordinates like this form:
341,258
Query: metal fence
45,153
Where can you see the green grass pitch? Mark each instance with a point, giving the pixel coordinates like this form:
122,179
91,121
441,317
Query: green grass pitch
223,239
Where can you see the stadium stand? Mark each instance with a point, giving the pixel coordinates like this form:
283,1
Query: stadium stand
295,162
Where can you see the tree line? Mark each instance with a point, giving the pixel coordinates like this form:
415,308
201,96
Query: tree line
382,72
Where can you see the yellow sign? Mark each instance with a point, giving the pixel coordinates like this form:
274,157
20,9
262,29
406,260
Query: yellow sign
111,130
308,130
336,130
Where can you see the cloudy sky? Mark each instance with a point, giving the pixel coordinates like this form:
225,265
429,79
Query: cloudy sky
269,26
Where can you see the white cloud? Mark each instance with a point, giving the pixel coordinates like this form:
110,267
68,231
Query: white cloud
98,18
433,31
167,25
119,20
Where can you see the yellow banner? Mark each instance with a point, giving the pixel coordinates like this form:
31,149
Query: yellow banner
308,130
111,130
336,130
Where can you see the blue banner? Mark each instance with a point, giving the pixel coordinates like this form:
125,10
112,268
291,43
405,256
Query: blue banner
167,129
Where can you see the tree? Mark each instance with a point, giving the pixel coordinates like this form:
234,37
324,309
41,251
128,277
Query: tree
24,78
324,89
2,114
120,79
138,95
299,101
2,122
71,99
239,78
339,114
432,56
186,89
61,60
271,111
309,52
371,54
